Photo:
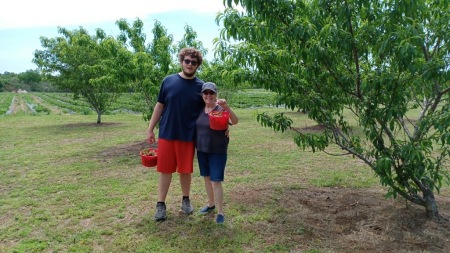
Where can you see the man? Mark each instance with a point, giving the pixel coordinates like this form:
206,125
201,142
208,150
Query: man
177,109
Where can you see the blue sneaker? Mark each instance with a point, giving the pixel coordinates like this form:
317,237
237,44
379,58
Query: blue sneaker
206,209
220,219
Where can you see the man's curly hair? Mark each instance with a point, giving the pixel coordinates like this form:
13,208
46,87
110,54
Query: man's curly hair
191,52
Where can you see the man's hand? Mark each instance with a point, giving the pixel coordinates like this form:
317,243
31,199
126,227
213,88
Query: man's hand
151,137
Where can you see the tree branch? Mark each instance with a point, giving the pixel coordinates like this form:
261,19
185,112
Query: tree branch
355,55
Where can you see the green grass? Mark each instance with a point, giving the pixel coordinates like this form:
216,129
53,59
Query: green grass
68,185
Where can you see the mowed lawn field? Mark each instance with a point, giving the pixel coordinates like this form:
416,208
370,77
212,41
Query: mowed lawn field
68,184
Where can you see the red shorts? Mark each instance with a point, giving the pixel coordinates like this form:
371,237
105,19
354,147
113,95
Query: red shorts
175,156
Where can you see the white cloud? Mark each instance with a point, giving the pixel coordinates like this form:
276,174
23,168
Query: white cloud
43,13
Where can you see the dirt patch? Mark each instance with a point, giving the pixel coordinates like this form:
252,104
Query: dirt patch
18,105
345,220
127,149
93,124
310,129
53,109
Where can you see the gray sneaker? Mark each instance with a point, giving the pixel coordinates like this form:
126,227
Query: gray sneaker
186,206
160,214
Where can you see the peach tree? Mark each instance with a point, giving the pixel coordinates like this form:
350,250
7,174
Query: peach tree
384,64
89,66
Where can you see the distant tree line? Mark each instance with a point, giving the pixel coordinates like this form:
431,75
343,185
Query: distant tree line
30,80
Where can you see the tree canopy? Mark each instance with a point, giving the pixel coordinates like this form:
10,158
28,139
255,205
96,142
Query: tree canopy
149,63
89,66
383,65
30,77
152,61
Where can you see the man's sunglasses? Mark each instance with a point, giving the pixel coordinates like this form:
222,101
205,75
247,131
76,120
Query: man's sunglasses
209,93
193,63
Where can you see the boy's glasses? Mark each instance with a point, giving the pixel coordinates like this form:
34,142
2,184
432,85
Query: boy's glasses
209,93
193,63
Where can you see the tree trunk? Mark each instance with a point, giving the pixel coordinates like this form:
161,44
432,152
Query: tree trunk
99,120
431,206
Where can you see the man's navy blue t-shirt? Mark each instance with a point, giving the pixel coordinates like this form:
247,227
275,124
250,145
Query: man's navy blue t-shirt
183,103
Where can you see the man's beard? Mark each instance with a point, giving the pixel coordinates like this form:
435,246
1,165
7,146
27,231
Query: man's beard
188,74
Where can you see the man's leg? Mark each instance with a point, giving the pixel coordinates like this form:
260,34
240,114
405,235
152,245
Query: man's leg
185,181
185,166
163,186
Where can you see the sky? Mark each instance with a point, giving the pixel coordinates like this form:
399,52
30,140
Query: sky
23,22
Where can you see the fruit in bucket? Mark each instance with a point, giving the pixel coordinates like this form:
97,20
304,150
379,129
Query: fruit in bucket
149,157
148,152
218,120
216,113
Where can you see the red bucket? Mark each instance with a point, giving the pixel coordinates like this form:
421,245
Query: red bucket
149,157
218,120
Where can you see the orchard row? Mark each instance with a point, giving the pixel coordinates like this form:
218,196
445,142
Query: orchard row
59,103
64,103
